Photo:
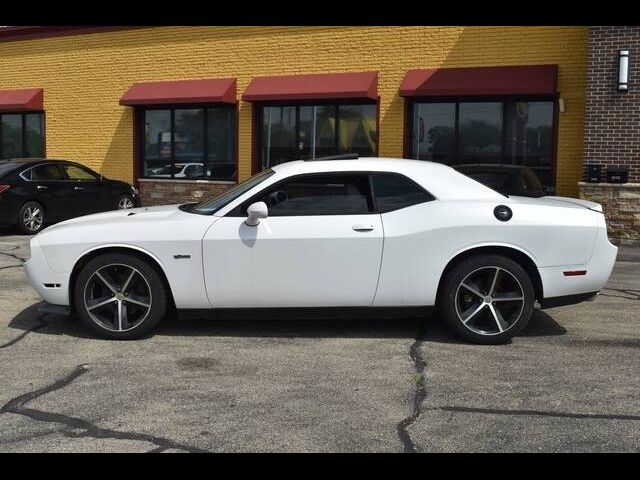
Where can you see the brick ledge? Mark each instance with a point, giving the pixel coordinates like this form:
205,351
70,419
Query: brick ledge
610,185
198,182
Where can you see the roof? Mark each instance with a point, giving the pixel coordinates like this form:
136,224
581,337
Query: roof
21,100
212,90
502,80
318,86
442,181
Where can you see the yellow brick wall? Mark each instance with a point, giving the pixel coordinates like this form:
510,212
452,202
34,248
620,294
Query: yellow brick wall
84,76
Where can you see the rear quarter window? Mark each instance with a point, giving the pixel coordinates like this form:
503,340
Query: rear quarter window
393,191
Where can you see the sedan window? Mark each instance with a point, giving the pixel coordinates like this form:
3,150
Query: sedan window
394,191
319,195
46,172
78,174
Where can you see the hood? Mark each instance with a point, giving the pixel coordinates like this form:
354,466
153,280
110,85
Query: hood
566,202
133,215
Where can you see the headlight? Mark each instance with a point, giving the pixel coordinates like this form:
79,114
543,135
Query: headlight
134,190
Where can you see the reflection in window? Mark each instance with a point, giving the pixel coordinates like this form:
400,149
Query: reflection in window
480,126
21,135
11,136
320,195
311,131
504,132
433,131
190,143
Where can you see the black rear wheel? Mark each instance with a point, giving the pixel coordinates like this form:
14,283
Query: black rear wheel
487,299
31,218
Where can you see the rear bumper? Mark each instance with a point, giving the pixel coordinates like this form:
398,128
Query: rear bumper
574,289
567,300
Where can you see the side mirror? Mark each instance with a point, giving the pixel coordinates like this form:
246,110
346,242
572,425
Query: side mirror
255,212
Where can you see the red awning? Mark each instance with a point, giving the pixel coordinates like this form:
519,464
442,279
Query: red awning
511,80
181,91
26,99
324,86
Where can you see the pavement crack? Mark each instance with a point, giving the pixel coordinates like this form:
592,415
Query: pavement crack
420,392
538,413
13,255
42,323
85,427
634,294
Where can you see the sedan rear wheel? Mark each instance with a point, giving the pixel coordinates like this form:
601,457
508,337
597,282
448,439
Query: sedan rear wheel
31,218
487,299
120,296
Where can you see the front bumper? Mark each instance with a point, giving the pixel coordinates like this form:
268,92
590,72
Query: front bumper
53,287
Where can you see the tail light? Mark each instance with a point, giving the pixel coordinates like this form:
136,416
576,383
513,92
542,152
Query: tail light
4,188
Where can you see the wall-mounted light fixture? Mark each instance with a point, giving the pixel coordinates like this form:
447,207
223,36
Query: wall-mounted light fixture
561,104
623,70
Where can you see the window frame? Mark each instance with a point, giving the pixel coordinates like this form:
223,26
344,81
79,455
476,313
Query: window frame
240,209
139,140
410,103
23,125
258,124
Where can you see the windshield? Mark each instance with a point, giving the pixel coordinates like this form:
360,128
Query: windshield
211,206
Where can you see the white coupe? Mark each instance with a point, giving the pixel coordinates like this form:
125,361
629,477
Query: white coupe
338,233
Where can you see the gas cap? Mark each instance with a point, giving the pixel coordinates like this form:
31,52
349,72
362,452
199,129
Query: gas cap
503,213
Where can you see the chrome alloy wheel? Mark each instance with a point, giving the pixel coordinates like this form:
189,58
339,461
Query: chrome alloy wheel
32,218
489,301
117,297
125,202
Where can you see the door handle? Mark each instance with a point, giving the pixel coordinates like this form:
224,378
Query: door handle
78,188
42,187
362,228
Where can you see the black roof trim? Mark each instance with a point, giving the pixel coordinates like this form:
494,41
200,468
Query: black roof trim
343,156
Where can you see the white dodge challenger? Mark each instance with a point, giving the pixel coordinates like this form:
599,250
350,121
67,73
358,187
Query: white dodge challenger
336,233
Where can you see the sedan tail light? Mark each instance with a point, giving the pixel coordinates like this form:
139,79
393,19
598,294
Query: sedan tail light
4,188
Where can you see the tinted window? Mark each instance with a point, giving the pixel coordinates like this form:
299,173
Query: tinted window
393,192
319,195
46,172
76,173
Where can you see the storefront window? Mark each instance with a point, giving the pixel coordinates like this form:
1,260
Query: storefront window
433,131
480,132
509,131
21,135
189,143
311,131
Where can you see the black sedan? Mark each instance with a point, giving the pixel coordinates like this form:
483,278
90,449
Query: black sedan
35,192
506,179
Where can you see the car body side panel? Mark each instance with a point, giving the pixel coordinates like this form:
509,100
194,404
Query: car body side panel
422,239
177,233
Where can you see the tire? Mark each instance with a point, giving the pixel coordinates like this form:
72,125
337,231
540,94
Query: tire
31,218
125,202
467,305
131,294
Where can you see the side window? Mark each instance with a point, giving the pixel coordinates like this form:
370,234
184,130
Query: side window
78,174
319,195
46,172
393,192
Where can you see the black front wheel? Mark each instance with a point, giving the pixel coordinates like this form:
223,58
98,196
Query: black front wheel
487,299
120,296
31,218
125,202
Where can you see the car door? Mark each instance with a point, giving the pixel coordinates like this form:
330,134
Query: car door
87,188
321,245
50,189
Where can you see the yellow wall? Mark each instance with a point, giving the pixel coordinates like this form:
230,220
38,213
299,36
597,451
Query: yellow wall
84,76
